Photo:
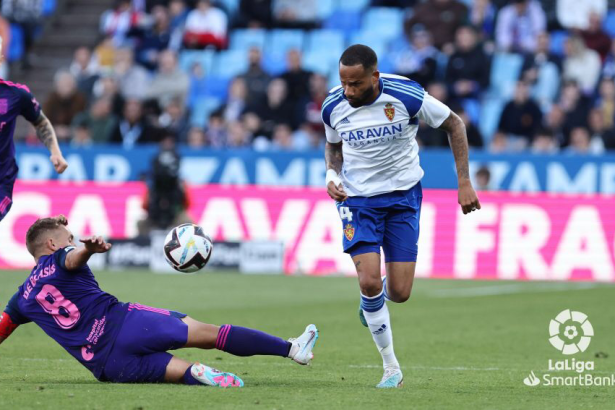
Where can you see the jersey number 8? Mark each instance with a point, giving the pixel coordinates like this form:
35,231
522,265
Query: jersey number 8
65,313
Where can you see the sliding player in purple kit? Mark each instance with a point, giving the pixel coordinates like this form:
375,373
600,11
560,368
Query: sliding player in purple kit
16,100
124,342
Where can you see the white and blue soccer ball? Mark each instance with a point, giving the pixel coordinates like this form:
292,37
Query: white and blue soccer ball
187,248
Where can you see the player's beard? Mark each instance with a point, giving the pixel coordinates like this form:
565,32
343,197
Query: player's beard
366,98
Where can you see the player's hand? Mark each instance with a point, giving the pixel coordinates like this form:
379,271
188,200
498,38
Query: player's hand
59,163
467,198
95,244
336,192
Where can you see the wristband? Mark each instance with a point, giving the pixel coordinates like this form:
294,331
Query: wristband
332,176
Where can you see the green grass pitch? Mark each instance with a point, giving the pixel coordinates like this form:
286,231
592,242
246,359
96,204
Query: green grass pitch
462,344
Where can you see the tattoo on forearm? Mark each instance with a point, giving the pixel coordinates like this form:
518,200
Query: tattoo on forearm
458,140
44,131
334,157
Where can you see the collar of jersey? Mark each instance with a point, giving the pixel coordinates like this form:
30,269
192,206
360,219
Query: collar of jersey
380,87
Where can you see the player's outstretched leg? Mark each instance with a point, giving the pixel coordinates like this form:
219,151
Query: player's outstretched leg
180,371
377,316
241,341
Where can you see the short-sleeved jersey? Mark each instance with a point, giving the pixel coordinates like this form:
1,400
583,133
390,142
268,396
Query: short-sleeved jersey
15,100
379,140
71,308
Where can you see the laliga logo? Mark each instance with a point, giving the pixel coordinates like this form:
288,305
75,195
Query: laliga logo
570,332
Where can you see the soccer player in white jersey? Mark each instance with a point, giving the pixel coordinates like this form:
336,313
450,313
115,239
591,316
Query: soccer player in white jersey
373,174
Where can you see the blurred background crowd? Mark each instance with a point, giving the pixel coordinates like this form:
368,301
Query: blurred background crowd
525,75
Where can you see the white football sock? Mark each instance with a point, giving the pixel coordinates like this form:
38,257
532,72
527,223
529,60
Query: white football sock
379,324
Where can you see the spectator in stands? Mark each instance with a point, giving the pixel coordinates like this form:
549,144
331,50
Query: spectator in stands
581,64
599,131
595,37
238,136
84,69
282,138
104,53
499,143
133,128
198,84
401,4
216,134
235,105
117,22
518,25
255,14
108,86
575,107
64,103
81,136
169,82
475,138
483,179
608,69
256,78
173,120
178,13
319,91
482,16
133,79
5,43
554,123
544,142
196,138
155,39
521,117
575,14
295,13
297,82
581,143
441,18
468,67
418,59
541,70
275,110
206,26
98,120
605,103
27,14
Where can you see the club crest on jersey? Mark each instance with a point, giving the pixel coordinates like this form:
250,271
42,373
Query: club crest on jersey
389,111
349,232
4,106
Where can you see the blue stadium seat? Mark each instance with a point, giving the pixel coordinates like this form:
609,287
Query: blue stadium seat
329,42
324,8
49,7
199,117
244,39
472,108
505,70
343,20
274,62
319,63
282,40
387,22
217,87
491,109
558,39
16,47
230,5
352,5
609,24
230,63
371,39
188,58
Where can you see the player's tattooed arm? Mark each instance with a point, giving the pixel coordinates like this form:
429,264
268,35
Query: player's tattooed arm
334,160
47,135
458,140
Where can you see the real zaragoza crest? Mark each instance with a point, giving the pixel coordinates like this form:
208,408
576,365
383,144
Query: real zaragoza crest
389,111
349,232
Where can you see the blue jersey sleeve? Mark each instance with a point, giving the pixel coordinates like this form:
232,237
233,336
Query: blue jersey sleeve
60,257
30,108
12,309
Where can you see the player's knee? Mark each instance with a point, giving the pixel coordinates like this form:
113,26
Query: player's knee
400,294
370,286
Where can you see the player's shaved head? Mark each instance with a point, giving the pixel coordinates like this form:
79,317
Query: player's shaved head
40,231
359,75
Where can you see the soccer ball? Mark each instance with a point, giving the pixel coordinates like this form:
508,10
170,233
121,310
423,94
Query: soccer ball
187,249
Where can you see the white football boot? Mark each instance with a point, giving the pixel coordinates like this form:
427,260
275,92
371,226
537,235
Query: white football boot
301,350
391,379
214,377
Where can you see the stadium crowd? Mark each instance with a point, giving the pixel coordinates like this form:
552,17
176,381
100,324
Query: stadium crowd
524,75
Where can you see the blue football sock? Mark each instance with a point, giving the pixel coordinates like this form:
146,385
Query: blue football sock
241,341
189,378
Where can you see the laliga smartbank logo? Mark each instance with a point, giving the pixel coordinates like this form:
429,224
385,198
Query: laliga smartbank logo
570,332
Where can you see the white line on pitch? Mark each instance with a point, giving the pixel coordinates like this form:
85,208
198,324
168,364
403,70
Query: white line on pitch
509,289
